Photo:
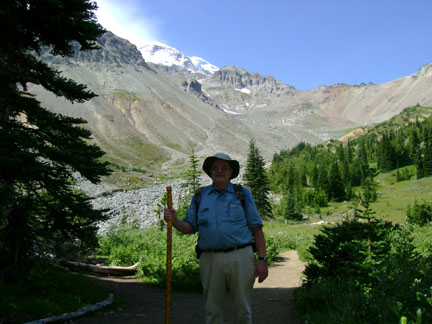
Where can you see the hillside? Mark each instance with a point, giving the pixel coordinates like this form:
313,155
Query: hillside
149,117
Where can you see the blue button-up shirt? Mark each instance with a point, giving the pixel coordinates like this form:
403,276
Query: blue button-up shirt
221,220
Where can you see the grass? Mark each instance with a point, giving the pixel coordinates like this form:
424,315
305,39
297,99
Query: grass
47,291
292,236
124,95
396,196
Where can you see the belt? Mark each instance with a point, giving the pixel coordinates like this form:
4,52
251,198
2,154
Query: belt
238,247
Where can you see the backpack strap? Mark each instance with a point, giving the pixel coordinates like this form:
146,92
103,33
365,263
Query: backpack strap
240,195
198,198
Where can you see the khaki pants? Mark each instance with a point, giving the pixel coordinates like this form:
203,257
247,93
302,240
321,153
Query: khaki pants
234,272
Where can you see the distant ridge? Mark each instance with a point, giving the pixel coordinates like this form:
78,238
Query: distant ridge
150,115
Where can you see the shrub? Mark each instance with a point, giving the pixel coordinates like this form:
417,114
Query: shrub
126,245
366,273
420,213
351,248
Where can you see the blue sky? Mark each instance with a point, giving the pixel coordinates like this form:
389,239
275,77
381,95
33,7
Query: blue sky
304,43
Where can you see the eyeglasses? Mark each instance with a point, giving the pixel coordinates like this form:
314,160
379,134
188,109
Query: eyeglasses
223,167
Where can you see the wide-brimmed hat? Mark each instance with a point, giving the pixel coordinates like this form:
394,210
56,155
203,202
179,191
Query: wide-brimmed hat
235,166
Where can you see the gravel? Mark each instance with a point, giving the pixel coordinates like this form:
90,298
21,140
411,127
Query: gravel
131,206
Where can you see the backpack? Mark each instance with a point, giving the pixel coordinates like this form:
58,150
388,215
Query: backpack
238,190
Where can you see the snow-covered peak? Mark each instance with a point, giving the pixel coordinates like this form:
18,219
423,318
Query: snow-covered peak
159,53
204,65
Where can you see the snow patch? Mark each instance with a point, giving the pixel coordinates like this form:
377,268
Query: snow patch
230,111
244,90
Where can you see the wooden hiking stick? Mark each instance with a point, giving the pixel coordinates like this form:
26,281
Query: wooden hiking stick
168,260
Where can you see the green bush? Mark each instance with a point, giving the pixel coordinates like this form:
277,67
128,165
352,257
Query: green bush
352,248
420,213
125,245
366,272
422,238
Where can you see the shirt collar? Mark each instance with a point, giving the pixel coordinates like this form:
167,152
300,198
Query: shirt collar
229,188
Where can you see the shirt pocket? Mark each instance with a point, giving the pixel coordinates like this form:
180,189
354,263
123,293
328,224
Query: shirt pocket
203,216
236,211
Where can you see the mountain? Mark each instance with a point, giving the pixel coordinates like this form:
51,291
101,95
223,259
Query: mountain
159,53
150,116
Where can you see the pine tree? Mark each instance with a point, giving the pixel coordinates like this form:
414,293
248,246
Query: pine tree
257,181
40,150
427,152
336,187
193,173
414,143
323,180
315,176
419,164
292,207
386,159
349,152
190,187
363,161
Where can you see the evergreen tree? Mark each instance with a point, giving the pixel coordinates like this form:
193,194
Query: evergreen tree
386,159
336,187
414,143
340,152
193,173
419,164
363,160
291,181
349,152
257,181
40,150
190,187
292,207
323,180
427,152
315,176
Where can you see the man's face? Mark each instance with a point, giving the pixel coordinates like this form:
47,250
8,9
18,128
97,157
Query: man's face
220,171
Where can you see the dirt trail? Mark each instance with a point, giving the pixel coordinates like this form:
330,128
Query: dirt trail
143,304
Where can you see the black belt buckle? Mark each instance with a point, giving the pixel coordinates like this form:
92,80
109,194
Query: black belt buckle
225,250
238,247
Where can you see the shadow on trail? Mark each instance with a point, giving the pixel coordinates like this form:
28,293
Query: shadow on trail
145,304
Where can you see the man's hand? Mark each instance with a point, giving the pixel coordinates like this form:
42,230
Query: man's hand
261,270
170,214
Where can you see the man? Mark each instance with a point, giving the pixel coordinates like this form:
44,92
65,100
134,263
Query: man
226,231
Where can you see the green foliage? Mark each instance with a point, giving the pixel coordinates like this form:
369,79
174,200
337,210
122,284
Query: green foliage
45,289
40,150
193,174
257,180
190,186
420,213
365,272
293,209
351,248
403,174
125,245
422,239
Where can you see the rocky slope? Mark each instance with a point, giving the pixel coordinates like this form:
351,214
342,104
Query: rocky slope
150,116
